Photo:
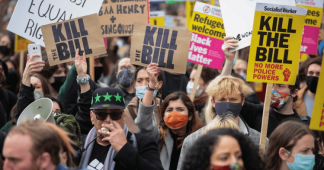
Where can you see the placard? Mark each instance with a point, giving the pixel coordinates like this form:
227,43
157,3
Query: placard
207,39
157,18
117,17
21,43
238,17
165,46
317,120
277,33
30,15
312,25
63,38
190,5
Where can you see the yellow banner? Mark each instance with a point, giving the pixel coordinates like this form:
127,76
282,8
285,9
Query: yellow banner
273,56
190,7
159,21
317,121
313,16
207,25
21,43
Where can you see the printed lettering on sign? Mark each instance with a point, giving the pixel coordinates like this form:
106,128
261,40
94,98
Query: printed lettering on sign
167,47
117,17
63,38
275,36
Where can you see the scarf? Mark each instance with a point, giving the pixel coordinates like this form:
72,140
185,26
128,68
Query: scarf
109,164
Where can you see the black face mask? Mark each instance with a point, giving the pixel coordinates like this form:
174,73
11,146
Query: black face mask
4,50
115,49
312,82
59,81
225,108
98,72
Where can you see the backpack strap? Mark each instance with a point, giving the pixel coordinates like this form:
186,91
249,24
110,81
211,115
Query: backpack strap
131,111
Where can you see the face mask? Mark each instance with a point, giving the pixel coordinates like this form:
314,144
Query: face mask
125,77
176,120
140,91
98,72
4,50
278,99
12,70
115,49
311,82
302,162
190,87
233,166
225,108
243,75
58,82
38,95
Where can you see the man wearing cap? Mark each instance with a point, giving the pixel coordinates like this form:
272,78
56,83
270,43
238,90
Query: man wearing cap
116,148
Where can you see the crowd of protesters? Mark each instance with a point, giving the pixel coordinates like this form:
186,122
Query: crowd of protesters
134,117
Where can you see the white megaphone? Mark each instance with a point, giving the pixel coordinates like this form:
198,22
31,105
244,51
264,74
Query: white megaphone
40,109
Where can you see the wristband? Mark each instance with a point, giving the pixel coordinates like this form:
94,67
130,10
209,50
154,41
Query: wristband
150,89
83,80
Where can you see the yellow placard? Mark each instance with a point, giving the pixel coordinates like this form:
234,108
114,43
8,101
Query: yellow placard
313,16
21,43
317,121
273,56
189,9
303,57
159,21
258,87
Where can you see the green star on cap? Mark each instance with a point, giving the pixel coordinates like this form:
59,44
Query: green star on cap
107,97
118,97
124,99
97,98
92,101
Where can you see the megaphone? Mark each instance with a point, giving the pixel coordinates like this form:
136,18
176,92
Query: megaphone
40,109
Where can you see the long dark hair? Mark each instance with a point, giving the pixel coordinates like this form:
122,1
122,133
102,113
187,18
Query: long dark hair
45,85
285,135
193,124
202,149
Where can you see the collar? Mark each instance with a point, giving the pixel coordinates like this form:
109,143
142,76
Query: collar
243,127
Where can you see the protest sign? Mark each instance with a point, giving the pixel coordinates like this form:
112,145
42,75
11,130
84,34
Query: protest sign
157,18
238,17
117,17
277,33
312,25
30,15
206,46
190,5
63,38
317,121
321,36
165,46
21,43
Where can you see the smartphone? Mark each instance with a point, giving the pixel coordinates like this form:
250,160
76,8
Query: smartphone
35,49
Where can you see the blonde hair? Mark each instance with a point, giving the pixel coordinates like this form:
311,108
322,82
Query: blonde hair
221,122
224,86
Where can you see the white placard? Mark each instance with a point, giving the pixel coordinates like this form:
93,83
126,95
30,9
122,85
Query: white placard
30,15
238,17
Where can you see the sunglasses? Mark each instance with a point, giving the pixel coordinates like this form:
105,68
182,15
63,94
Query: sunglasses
103,115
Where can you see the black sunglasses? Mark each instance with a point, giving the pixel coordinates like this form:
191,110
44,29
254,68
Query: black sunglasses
103,115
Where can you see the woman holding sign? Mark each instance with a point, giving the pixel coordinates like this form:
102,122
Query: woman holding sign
179,119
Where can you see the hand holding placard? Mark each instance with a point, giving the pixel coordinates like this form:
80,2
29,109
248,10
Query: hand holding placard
229,43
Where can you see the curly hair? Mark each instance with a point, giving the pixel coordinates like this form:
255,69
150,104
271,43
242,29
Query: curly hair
201,151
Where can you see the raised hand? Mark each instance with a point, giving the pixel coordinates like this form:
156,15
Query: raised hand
80,64
229,43
31,68
153,71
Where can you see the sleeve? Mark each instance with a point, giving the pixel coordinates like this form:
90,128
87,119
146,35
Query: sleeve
147,156
145,121
25,97
250,112
2,116
83,114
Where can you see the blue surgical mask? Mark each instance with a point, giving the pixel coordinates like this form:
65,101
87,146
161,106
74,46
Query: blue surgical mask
302,162
140,91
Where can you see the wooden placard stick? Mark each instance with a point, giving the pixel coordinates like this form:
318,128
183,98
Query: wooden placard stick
197,77
265,117
92,68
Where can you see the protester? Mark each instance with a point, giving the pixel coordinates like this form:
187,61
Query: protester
42,147
240,68
124,73
319,151
141,81
201,97
291,147
13,78
116,148
7,45
227,121
282,99
40,83
223,149
306,96
178,120
226,97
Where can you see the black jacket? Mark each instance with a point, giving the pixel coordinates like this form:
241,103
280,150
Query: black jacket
83,115
25,97
8,99
252,115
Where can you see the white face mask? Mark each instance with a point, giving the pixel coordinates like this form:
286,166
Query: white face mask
243,75
190,87
140,91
